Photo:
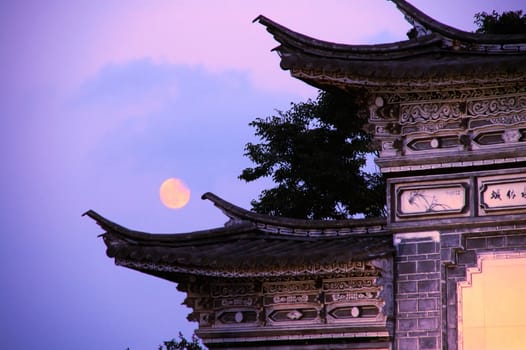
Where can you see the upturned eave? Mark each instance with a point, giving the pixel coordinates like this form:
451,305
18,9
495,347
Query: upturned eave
245,247
439,56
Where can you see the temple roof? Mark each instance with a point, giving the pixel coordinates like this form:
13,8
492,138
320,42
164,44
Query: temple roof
436,53
249,245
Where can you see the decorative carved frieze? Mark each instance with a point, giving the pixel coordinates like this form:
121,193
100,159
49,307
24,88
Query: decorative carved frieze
346,297
427,112
432,128
397,96
450,124
277,271
509,119
294,316
238,301
496,105
500,120
339,284
310,301
289,287
290,299
384,84
225,290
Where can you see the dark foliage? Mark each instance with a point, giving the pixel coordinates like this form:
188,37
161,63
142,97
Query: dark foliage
315,153
182,344
509,22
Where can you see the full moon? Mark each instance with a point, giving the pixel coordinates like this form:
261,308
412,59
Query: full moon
174,193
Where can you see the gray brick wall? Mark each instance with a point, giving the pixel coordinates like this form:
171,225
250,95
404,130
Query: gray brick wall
418,295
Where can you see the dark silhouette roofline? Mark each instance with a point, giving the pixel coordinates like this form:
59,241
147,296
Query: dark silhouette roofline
248,245
242,222
413,15
439,56
436,31
237,213
164,238
289,38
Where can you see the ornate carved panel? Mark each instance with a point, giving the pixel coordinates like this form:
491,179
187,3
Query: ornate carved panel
502,194
502,120
433,128
353,312
451,124
435,143
396,96
352,300
431,199
430,112
348,299
302,314
500,137
496,105
238,317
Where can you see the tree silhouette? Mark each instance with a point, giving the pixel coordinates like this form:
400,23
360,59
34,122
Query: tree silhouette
316,152
509,22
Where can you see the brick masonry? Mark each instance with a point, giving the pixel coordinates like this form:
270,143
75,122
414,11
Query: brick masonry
418,293
428,272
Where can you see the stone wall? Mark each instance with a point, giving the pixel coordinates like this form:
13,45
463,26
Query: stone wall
418,291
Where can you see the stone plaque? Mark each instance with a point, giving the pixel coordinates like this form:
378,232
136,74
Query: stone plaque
503,194
431,200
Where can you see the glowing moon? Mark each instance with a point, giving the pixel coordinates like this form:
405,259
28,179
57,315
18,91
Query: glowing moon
174,193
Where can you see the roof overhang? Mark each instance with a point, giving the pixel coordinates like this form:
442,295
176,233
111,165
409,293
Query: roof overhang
438,57
249,245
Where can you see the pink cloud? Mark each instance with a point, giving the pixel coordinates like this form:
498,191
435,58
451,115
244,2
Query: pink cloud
221,36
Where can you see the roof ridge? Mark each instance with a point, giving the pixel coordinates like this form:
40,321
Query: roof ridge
429,32
290,38
236,213
425,25
128,234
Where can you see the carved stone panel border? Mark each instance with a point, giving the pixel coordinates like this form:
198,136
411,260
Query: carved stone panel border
502,194
491,196
432,199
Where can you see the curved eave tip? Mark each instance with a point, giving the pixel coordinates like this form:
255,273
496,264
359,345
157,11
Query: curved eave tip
214,198
267,22
92,214
208,195
104,223
99,219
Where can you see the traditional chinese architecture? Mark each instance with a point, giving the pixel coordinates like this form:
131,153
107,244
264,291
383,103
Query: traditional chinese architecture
448,111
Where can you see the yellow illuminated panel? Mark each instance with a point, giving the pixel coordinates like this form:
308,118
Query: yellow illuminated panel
493,308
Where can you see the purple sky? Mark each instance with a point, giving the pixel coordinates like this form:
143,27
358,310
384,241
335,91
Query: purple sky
103,100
